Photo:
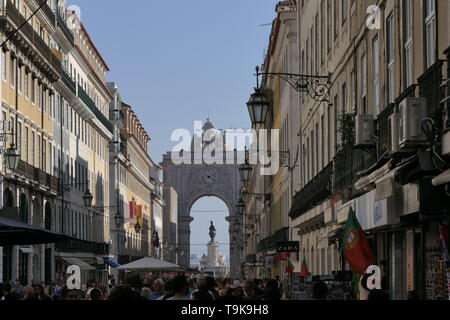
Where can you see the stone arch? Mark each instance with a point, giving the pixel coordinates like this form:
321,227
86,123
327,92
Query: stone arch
38,219
8,198
48,221
23,208
200,195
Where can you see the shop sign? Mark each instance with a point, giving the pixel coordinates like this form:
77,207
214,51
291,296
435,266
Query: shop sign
283,256
289,246
270,262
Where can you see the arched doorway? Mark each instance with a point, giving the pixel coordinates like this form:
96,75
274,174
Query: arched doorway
23,208
37,252
8,198
8,202
203,211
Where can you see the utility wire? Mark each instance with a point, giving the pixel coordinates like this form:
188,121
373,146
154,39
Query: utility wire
26,21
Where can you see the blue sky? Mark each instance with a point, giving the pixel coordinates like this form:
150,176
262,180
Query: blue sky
182,60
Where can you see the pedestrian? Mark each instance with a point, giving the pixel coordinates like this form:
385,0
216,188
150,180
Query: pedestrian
168,290
124,293
180,289
145,293
9,293
249,293
40,294
319,291
28,294
210,285
96,294
157,292
272,291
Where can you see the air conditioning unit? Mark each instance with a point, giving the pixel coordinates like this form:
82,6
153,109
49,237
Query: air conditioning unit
364,130
393,132
412,112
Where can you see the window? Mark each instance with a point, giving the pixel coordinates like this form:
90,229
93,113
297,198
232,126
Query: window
3,65
353,76
11,72
329,34
44,154
430,32
33,90
39,96
44,100
26,85
364,83
19,138
335,19
19,79
390,58
38,151
27,155
376,75
344,10
408,43
33,154
344,99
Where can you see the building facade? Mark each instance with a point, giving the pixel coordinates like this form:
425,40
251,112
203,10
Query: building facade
376,143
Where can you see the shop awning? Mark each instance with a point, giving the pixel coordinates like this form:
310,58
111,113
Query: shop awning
111,263
441,179
13,232
78,262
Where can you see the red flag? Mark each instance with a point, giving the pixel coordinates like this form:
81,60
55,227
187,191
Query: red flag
290,267
131,209
355,246
304,270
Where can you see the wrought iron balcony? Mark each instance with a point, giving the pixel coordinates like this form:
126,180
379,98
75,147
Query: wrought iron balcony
8,14
430,87
316,191
38,176
81,246
47,11
62,25
382,121
91,105
68,82
270,243
348,164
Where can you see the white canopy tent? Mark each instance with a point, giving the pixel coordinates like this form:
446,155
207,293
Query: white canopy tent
151,264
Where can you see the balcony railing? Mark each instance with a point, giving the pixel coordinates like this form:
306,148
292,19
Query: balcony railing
348,164
251,258
316,191
68,82
9,11
38,176
430,87
270,243
81,246
47,11
62,25
91,105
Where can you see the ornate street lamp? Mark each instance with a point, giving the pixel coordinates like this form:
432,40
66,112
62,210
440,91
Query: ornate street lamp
246,171
87,199
240,207
12,158
258,107
137,227
119,219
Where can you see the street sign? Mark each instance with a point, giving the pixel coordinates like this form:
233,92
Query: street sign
289,246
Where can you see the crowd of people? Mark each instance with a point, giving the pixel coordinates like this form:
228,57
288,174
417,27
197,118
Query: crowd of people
175,288
134,288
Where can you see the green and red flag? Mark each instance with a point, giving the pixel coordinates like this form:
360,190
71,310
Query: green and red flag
290,267
355,247
304,270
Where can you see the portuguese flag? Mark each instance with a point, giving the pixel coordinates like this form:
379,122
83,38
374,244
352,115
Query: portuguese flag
355,247
290,267
304,270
